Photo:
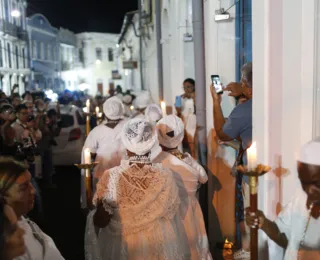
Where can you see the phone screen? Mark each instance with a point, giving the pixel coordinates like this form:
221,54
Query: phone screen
178,101
217,83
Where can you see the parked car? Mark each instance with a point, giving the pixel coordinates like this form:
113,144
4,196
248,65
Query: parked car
71,137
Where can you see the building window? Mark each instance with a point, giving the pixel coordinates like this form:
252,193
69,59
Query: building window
81,56
49,51
110,54
243,34
34,49
99,53
38,50
17,57
23,58
1,58
9,55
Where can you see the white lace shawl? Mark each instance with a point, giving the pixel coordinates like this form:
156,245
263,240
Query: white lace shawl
144,203
139,196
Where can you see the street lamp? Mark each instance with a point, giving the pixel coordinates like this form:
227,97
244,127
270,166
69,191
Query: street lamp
15,13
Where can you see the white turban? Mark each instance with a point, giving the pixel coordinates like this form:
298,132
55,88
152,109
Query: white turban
143,100
153,113
127,99
113,108
310,153
139,136
170,131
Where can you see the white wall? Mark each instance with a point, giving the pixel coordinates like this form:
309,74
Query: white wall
283,60
220,59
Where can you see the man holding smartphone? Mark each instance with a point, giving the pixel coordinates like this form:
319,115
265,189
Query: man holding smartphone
238,127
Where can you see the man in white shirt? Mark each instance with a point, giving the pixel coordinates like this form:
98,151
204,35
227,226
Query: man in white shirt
297,229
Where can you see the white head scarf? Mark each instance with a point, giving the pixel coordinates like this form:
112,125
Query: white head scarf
153,113
170,131
127,99
143,100
139,136
310,152
113,108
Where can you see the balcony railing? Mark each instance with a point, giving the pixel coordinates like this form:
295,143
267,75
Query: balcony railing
13,30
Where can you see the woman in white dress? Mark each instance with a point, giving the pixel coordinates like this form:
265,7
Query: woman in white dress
16,188
137,215
188,175
104,141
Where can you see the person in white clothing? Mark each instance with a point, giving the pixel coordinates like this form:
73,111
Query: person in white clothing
141,102
16,188
137,206
188,175
153,113
104,141
296,231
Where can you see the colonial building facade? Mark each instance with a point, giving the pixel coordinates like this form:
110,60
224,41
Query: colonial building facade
14,59
99,69
44,52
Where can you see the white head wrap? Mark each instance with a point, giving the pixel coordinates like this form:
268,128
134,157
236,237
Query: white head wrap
127,99
139,136
153,113
143,100
310,152
113,108
170,131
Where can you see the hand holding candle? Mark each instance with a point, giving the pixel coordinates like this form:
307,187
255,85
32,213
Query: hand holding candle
164,108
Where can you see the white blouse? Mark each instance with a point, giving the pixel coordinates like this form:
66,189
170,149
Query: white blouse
39,245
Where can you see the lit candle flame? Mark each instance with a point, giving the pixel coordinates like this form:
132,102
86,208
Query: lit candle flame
252,156
164,108
131,108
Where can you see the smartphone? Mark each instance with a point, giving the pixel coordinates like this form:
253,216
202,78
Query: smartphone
217,83
178,102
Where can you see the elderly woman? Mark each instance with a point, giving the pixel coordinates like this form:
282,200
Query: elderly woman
137,203
16,188
104,141
188,175
11,235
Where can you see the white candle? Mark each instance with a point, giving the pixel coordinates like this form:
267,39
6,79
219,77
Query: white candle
97,111
88,106
252,157
100,115
87,156
164,108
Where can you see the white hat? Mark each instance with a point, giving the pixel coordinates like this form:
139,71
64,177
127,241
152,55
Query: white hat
310,152
153,113
170,131
143,99
139,136
113,108
127,99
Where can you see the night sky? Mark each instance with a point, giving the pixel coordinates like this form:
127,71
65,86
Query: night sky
84,15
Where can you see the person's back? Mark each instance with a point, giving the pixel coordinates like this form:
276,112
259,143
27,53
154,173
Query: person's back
141,201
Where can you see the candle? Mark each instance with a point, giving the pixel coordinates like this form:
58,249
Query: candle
252,157
131,108
87,156
97,111
164,108
100,115
88,106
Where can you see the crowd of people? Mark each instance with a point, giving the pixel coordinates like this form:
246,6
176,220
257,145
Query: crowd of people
146,182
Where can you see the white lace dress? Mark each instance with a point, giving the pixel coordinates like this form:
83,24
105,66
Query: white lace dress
145,224
188,175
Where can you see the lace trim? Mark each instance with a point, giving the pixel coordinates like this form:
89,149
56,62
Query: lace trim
139,197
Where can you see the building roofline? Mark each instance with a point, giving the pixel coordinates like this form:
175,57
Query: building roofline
126,23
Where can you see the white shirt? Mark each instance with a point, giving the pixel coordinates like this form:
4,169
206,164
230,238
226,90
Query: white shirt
35,249
293,221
